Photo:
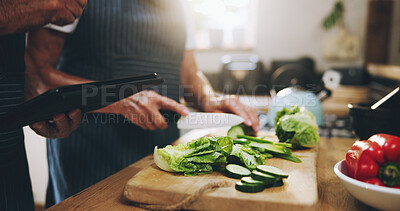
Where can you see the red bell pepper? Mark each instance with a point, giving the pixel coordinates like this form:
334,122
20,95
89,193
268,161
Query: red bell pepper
390,145
375,161
363,160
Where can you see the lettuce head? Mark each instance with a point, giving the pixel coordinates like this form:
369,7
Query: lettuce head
297,126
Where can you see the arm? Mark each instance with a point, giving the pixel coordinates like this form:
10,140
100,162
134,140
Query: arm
42,54
41,76
199,93
24,15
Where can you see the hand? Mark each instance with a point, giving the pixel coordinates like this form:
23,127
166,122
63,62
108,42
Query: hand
142,109
63,125
65,11
231,104
24,15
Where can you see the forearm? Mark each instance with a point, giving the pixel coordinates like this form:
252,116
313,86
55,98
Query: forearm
42,54
197,89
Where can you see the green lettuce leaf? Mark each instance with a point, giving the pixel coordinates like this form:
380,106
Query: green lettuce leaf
195,157
250,157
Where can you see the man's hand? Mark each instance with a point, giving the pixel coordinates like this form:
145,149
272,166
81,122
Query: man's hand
61,126
231,104
24,15
142,109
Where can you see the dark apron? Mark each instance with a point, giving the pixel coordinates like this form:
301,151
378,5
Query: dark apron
15,184
114,39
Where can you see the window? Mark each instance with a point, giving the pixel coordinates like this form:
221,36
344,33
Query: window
223,24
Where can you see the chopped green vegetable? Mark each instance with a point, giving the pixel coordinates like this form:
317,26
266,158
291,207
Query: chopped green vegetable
271,170
297,126
240,129
271,148
195,157
241,141
292,158
248,156
260,176
250,180
287,145
278,182
254,139
236,171
249,188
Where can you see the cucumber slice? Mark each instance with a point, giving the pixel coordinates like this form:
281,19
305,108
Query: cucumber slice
278,183
249,188
250,180
258,140
235,130
236,171
241,141
271,170
266,178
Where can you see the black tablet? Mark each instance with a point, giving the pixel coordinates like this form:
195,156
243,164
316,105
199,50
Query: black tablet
87,97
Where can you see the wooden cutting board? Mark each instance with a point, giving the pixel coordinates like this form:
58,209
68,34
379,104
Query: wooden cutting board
154,186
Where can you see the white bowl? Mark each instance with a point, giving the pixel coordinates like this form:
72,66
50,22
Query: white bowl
379,197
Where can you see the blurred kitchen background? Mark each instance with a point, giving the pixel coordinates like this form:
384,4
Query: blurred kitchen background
351,45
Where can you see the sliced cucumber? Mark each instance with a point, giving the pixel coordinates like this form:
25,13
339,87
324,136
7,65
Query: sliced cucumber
258,140
266,178
249,188
271,170
241,141
250,180
235,130
271,148
278,183
236,171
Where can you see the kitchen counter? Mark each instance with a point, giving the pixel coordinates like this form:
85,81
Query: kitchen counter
108,194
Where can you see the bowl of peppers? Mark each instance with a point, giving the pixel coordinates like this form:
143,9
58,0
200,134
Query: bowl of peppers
371,171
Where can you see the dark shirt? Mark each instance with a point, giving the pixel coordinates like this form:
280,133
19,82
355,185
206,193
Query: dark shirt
15,184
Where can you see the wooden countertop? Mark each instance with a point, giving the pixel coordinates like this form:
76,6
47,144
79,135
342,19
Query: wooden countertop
108,194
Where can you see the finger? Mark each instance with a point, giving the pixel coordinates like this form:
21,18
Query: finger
169,104
234,106
75,117
43,128
148,122
241,112
133,114
82,3
63,18
141,116
252,113
159,120
62,124
74,8
149,115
